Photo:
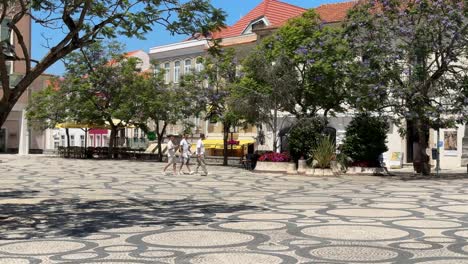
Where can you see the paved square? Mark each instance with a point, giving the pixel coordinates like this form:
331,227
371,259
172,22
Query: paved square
83,211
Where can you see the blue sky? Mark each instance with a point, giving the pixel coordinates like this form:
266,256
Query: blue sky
235,9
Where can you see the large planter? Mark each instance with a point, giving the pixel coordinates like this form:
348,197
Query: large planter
301,166
291,168
364,170
319,172
268,166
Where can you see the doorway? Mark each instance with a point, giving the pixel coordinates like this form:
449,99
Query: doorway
410,138
3,140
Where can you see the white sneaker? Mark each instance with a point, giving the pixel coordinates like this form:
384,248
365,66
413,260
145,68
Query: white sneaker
191,173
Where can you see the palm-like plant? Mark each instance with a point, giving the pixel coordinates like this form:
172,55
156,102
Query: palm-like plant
323,152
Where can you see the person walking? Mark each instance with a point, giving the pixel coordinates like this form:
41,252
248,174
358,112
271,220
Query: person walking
171,155
201,155
186,154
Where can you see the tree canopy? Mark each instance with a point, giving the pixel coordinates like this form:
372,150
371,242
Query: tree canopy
321,58
81,23
412,62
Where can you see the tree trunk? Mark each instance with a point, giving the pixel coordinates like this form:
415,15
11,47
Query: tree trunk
160,139
112,139
5,109
86,138
86,142
275,130
225,143
68,150
7,101
67,132
423,131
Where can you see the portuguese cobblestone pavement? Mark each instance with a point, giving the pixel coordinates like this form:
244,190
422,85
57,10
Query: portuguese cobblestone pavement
79,211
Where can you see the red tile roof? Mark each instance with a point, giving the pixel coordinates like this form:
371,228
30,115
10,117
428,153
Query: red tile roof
131,53
330,13
277,13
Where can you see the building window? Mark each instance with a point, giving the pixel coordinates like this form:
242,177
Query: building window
199,66
135,133
5,35
72,140
176,71
98,140
82,143
91,140
157,68
188,66
167,72
105,143
63,141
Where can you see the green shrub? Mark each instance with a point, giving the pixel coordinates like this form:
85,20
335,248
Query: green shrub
324,152
303,137
365,139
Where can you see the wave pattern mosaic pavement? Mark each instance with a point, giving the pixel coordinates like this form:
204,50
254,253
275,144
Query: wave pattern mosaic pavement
79,211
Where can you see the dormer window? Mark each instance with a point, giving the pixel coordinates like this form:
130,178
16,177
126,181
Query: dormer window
256,24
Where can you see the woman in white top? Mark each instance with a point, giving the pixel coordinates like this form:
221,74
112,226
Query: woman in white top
171,158
201,155
186,153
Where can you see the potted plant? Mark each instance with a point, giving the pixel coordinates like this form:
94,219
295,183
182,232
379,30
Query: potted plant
323,154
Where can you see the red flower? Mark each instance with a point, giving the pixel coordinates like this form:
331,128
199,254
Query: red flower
275,157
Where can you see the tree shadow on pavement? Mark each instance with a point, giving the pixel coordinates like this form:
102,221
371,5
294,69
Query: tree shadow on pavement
17,194
414,177
76,218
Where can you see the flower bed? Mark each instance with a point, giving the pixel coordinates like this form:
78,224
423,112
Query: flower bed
273,162
275,157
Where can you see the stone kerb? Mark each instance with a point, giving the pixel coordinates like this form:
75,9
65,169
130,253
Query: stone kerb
320,172
364,170
267,166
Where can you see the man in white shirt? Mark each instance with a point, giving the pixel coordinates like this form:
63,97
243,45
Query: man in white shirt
171,158
201,155
186,153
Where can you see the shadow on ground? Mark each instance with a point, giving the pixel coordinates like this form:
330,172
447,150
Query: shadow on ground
405,176
76,218
17,194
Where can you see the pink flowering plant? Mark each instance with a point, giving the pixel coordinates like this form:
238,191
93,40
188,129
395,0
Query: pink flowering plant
233,142
275,157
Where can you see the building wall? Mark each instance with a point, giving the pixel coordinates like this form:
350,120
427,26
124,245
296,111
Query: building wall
24,25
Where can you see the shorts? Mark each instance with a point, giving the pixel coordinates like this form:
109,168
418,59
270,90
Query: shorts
171,160
184,160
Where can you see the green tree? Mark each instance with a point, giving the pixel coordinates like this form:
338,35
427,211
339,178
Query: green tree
264,91
304,136
366,138
213,87
105,84
47,108
320,56
164,104
77,24
412,63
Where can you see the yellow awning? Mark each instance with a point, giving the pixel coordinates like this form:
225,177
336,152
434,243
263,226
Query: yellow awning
79,125
219,144
84,125
120,123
